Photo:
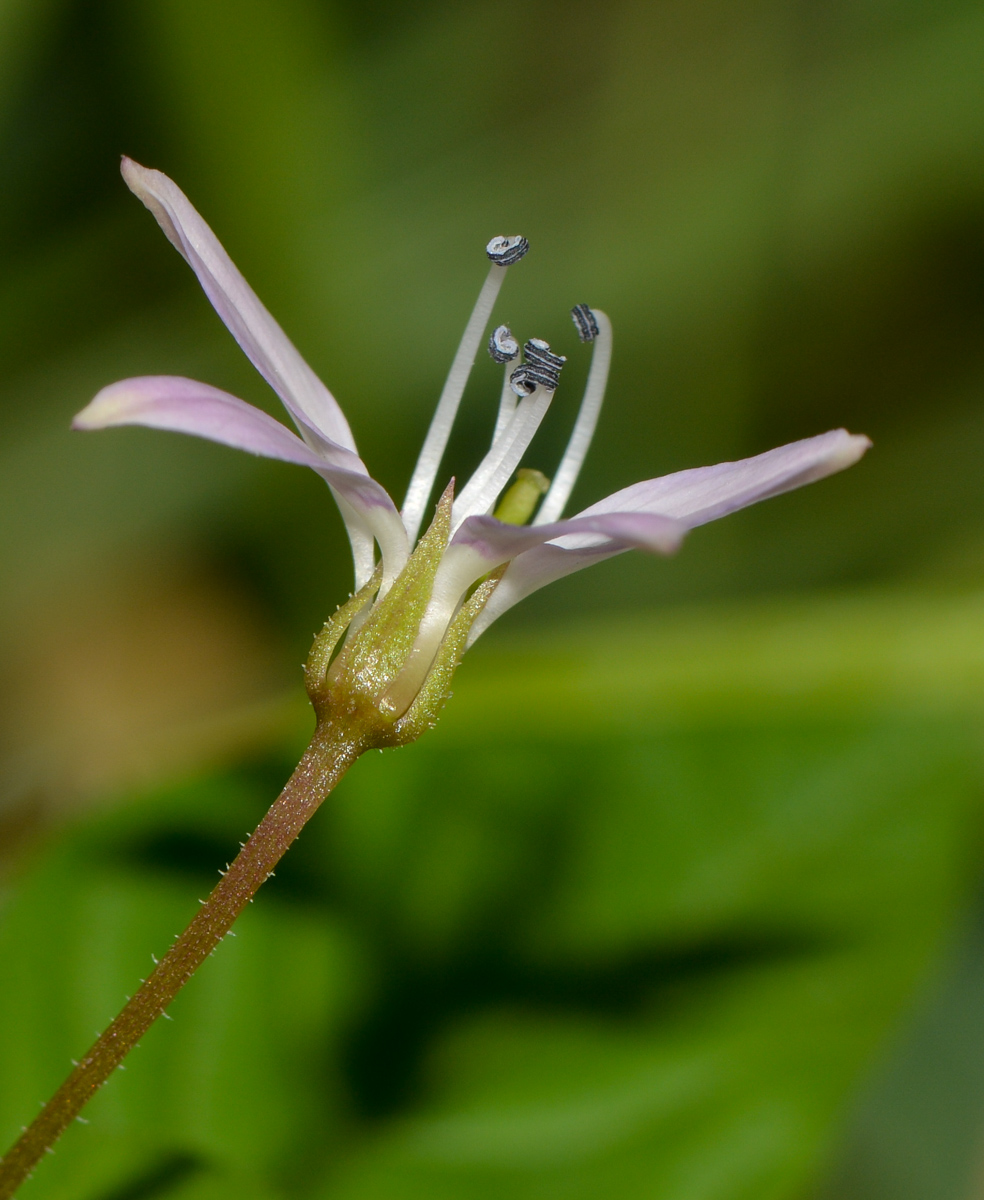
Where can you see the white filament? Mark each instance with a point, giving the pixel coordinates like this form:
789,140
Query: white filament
584,427
494,470
425,472
507,402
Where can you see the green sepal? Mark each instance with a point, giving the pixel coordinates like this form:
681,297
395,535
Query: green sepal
316,667
436,689
376,654
351,688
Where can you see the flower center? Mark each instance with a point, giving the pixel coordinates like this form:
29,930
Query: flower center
527,391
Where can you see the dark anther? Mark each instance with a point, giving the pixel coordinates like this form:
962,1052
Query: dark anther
504,251
584,320
541,368
503,347
538,352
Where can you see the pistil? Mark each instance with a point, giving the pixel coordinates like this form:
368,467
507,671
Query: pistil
519,502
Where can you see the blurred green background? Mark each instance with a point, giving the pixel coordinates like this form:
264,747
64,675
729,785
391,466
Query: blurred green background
679,900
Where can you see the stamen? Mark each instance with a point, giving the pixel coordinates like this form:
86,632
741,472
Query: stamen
507,250
504,348
507,405
586,322
541,368
425,471
592,325
503,251
494,471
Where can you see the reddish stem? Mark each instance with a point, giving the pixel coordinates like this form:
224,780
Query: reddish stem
332,751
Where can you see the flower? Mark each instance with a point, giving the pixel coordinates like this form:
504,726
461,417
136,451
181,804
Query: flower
414,613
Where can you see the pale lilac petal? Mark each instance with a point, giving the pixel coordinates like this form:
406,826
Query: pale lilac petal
186,406
483,543
269,349
360,539
497,542
703,494
691,497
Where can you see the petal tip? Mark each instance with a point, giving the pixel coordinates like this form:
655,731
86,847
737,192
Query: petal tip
108,407
93,416
90,417
130,169
146,183
853,447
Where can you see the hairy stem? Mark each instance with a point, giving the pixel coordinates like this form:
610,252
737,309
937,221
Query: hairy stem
332,751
